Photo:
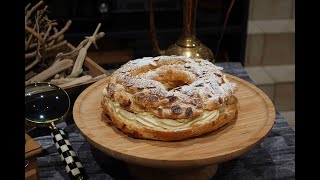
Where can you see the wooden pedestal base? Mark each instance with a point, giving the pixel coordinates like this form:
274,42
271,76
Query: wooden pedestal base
146,173
255,119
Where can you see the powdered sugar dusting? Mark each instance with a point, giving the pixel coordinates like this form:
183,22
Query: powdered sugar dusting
206,78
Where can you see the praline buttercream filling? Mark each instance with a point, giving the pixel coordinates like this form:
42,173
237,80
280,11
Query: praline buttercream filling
150,120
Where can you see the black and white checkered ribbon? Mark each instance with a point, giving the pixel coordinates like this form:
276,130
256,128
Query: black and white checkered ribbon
68,156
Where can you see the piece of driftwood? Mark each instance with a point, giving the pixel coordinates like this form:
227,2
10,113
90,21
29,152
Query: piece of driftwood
49,57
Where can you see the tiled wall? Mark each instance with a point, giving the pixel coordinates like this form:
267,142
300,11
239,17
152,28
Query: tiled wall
271,9
270,42
270,50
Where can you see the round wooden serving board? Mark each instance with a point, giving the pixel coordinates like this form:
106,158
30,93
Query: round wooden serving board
255,119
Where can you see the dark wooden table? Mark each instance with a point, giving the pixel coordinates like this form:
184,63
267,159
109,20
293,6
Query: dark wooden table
274,158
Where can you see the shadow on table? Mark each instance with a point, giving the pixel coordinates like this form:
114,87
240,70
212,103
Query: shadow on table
256,164
253,165
111,166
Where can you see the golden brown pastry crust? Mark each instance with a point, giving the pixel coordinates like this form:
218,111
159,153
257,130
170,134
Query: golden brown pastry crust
137,130
173,87
169,87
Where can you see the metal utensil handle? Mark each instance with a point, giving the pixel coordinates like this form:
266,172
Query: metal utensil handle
68,155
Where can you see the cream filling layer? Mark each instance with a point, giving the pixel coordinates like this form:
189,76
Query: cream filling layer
150,120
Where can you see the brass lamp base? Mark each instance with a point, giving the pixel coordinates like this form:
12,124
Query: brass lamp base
198,50
188,44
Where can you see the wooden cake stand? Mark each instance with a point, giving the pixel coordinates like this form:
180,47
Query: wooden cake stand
194,158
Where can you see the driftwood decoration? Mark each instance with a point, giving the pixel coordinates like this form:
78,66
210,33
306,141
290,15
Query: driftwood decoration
46,57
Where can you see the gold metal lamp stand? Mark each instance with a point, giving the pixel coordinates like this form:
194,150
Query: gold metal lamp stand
188,44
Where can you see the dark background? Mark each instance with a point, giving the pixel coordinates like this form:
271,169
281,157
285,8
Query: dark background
126,24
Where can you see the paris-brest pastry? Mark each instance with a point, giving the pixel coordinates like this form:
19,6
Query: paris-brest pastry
169,98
